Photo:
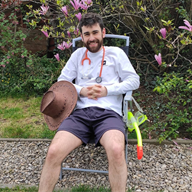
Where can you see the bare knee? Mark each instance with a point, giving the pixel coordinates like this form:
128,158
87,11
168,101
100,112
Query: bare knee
116,152
53,155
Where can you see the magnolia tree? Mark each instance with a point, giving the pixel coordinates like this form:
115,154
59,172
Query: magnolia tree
177,44
153,29
182,41
60,20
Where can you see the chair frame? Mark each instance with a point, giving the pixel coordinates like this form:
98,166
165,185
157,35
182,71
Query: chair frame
127,106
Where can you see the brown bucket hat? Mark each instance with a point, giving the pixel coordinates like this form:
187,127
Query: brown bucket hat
58,103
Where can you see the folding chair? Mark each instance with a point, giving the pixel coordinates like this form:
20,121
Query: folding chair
127,104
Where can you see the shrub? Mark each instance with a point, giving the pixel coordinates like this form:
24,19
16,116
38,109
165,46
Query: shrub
19,78
177,90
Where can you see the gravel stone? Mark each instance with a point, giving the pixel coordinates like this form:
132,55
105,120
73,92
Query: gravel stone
163,167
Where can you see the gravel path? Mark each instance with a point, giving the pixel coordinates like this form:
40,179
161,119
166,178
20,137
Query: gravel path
163,167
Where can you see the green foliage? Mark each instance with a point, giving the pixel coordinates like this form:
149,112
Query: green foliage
178,93
11,39
182,12
19,78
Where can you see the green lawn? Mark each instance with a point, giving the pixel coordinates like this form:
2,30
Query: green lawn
74,189
21,118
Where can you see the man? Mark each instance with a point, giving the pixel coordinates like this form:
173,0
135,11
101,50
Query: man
102,75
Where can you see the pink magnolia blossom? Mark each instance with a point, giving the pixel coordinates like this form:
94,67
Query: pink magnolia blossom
76,4
163,32
83,6
64,10
7,62
45,33
57,57
23,39
67,44
68,33
158,59
86,4
78,16
8,57
2,65
22,56
76,31
61,46
189,26
44,9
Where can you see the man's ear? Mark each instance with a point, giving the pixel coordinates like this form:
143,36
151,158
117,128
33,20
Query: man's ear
104,32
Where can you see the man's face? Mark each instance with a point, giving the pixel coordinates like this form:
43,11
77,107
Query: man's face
92,37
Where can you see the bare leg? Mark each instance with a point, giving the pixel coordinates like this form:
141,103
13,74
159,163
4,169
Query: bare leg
62,144
114,143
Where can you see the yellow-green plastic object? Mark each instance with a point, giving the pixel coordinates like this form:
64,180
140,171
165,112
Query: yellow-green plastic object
131,118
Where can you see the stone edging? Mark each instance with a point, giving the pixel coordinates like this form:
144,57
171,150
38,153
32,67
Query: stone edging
130,141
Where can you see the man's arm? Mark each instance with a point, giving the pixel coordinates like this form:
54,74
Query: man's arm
129,79
69,72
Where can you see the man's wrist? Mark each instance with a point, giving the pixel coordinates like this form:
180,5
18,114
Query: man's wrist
82,92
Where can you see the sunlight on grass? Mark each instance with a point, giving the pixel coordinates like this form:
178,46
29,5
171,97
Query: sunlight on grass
21,118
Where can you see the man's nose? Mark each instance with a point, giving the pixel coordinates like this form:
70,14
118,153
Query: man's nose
91,37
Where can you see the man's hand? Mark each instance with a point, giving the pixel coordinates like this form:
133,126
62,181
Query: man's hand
94,91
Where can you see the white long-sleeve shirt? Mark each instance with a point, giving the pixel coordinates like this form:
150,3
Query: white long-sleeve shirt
118,76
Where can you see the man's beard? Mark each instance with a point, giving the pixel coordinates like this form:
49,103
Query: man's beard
94,49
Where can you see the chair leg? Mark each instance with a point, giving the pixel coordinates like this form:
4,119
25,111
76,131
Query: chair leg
61,173
126,152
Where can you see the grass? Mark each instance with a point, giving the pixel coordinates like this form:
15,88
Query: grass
21,118
82,188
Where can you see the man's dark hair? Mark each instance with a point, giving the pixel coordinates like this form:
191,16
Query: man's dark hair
90,19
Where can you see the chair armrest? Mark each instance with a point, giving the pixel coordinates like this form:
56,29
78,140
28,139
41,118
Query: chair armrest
128,96
127,105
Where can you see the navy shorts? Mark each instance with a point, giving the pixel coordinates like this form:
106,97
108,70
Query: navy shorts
89,124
